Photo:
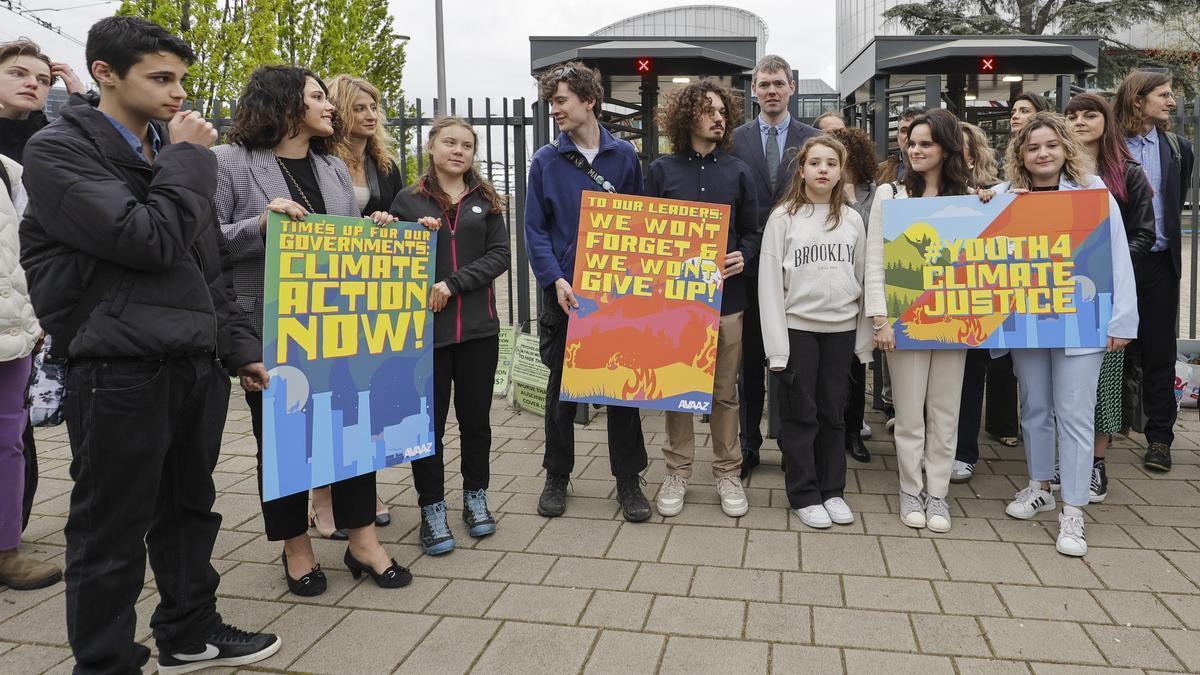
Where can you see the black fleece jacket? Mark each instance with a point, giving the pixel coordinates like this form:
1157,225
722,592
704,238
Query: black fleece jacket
472,250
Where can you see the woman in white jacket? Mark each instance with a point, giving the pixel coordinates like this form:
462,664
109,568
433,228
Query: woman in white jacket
19,334
926,383
1059,385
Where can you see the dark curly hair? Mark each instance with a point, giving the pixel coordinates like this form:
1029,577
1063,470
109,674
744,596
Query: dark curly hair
272,108
686,105
580,79
860,153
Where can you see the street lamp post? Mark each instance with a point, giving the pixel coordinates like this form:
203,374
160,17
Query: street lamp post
441,107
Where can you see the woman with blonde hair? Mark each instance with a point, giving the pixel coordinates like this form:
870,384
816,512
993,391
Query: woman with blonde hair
1058,386
367,149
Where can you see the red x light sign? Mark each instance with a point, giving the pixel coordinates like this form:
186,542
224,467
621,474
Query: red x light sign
644,66
987,64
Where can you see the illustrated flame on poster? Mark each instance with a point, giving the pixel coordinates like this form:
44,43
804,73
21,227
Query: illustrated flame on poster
648,281
348,340
1024,270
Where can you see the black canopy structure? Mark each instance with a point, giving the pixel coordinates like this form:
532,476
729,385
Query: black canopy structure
983,70
637,70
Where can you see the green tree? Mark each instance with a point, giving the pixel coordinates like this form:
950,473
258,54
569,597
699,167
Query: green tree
1065,17
233,37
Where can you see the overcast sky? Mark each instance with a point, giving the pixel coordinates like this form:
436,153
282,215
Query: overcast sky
487,41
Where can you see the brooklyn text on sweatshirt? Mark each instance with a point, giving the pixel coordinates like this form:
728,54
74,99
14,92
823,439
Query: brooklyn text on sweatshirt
810,277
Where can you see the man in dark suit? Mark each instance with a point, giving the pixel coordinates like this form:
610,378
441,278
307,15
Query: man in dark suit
768,144
1143,107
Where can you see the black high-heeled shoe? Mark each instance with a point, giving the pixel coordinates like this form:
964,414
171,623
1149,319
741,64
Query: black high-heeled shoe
308,585
396,576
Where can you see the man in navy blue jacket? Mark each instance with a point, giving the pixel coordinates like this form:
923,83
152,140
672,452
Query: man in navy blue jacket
585,157
764,143
1142,107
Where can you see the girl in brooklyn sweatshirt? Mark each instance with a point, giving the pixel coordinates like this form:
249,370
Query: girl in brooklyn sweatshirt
810,287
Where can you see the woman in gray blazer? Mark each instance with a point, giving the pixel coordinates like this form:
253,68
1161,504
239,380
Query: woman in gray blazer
279,158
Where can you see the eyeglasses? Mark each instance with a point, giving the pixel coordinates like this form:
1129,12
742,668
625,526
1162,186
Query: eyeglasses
563,72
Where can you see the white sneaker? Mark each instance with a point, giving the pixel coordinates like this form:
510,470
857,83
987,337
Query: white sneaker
815,516
937,515
866,431
670,495
839,511
733,497
890,425
1070,535
961,472
1031,501
912,511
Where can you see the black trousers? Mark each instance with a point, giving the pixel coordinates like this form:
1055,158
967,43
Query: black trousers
752,388
1158,304
145,436
626,445
994,377
856,399
29,450
811,410
469,368
287,517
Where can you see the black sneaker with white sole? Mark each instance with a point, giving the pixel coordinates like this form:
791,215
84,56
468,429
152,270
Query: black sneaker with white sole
226,646
1099,488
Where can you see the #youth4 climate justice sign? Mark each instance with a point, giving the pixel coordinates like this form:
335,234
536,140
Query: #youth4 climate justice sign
648,282
348,340
1024,270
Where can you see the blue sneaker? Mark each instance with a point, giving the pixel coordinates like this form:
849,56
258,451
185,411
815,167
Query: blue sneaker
435,532
476,515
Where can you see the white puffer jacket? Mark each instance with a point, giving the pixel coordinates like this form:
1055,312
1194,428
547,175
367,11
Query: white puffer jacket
19,329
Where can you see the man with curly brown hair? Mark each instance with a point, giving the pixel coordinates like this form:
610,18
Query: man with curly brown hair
699,169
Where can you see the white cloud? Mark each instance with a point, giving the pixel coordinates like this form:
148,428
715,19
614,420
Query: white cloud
957,212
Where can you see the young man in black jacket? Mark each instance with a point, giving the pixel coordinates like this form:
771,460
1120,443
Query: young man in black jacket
764,143
123,259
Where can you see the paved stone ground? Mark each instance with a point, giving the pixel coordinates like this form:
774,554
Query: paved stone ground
699,592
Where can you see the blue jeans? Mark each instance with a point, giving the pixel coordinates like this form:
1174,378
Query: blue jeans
1059,390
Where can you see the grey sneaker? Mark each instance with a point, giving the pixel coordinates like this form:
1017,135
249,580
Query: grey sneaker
670,495
912,511
733,497
937,514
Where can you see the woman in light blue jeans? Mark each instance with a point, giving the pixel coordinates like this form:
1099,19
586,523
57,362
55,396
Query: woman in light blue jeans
1058,386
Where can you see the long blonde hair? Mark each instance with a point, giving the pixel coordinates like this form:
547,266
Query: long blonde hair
1078,164
795,196
343,89
982,160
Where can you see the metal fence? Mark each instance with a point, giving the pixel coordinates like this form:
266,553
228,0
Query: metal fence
510,130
